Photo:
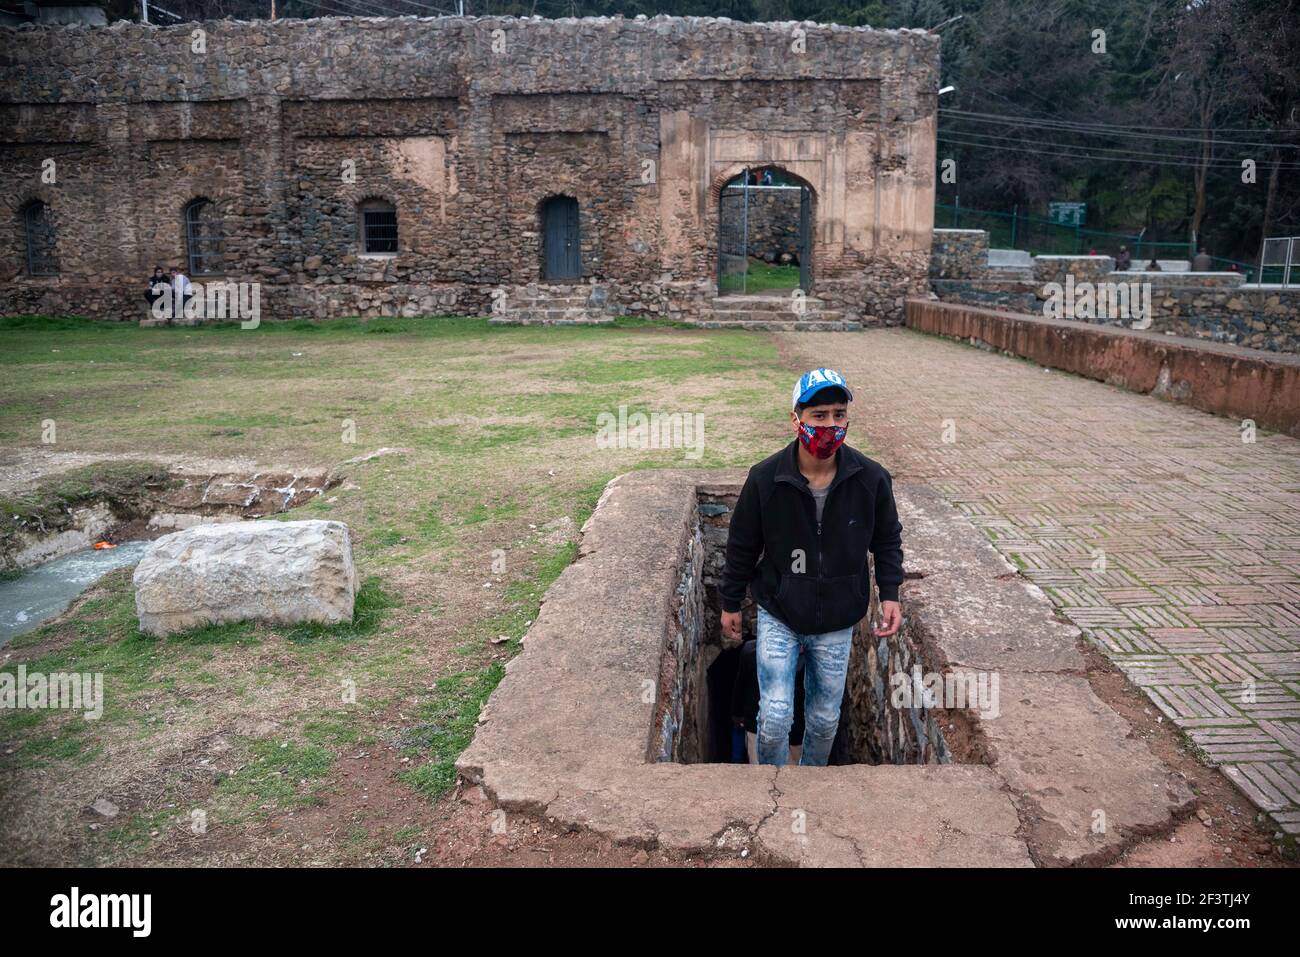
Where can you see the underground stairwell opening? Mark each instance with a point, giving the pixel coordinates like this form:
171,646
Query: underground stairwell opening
703,680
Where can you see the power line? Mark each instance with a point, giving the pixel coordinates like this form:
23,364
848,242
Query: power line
1096,151
365,8
1289,131
1146,161
1093,130
349,7
425,6
1214,164
1118,130
330,11
388,9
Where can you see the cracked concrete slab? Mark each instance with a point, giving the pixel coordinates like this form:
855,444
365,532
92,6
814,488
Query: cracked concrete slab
1086,788
677,806
567,732
950,815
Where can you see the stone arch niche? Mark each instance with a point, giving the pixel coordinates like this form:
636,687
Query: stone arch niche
38,232
378,226
204,235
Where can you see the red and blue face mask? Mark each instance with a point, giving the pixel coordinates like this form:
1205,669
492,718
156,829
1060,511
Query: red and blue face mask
822,440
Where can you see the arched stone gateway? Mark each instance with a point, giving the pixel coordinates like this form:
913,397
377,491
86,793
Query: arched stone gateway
641,124
765,233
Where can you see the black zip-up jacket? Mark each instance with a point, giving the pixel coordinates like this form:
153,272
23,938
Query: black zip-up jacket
810,575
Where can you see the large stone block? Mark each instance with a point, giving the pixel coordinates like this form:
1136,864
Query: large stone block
284,572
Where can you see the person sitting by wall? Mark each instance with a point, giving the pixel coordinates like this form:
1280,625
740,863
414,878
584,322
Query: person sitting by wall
154,289
1153,266
1202,262
745,698
182,292
1123,260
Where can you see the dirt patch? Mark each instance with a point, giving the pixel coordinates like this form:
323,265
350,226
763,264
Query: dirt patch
23,467
365,817
50,505
115,500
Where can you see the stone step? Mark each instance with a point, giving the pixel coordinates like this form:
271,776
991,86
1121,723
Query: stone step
768,325
764,304
545,294
549,318
582,290
786,316
550,312
151,323
546,303
1011,272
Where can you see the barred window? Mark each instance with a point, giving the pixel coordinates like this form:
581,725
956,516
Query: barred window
38,228
203,238
378,227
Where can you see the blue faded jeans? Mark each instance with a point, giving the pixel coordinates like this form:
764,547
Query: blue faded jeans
826,666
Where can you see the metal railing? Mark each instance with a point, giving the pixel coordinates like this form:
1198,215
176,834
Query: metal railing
1017,230
1279,260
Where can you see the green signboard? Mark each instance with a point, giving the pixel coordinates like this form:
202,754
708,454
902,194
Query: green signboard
1067,214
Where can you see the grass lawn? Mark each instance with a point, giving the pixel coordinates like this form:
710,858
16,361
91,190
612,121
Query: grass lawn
761,277
249,729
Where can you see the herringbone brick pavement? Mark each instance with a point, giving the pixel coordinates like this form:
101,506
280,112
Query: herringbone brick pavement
1169,540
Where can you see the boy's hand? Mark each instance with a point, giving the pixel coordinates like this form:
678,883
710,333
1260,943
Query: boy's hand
731,625
891,616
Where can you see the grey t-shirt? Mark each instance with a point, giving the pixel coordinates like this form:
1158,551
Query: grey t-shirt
819,494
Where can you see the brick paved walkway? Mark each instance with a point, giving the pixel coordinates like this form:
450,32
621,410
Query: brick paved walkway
1198,599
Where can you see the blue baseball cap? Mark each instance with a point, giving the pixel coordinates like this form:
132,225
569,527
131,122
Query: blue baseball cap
810,383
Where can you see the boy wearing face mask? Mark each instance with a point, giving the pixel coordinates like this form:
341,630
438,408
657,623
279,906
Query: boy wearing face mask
799,537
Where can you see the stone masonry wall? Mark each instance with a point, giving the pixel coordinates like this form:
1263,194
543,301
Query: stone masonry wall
1214,306
466,126
774,225
959,253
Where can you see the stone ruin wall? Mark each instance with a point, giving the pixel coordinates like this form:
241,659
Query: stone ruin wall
466,125
773,221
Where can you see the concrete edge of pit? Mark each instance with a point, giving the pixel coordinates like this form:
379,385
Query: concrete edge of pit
564,735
